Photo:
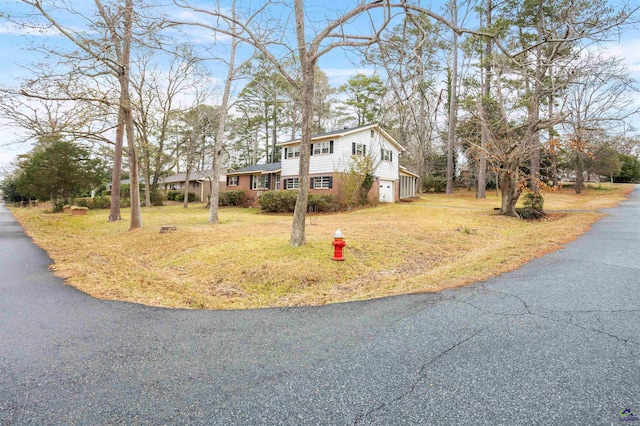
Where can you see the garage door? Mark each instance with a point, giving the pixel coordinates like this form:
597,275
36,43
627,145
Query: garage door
386,191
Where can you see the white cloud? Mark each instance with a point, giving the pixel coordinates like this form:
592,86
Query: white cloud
9,28
629,50
338,76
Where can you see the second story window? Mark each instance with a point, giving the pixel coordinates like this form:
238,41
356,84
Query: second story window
320,148
358,149
386,155
292,152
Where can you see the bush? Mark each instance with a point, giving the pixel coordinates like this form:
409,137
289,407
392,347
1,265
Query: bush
232,198
532,206
278,201
171,195
285,202
432,183
323,203
156,199
94,203
191,197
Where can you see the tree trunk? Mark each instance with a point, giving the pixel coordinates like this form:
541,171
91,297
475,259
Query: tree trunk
579,176
136,218
219,143
452,101
486,93
510,192
114,213
187,177
298,237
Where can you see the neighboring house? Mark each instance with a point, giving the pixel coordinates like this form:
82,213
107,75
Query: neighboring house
330,155
199,183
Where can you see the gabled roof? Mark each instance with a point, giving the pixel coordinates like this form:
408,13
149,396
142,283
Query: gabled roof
257,168
345,132
180,177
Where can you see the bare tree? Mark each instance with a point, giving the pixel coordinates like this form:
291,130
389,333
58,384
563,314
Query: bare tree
103,51
257,29
599,108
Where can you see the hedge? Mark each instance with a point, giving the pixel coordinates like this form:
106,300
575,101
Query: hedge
285,202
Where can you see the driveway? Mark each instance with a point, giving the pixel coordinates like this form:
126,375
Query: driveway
555,342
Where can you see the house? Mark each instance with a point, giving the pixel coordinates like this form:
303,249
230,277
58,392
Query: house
199,183
330,156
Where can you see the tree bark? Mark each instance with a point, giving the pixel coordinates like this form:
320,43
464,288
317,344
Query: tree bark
219,143
136,218
114,213
486,93
298,237
453,101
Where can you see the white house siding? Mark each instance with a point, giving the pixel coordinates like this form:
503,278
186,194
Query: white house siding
342,151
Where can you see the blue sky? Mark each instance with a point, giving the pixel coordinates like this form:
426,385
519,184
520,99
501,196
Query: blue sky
339,65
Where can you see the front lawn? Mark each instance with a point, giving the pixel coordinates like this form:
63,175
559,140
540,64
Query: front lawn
434,243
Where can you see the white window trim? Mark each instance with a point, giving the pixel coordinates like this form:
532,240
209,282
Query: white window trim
293,152
262,180
234,180
322,148
323,182
292,183
386,155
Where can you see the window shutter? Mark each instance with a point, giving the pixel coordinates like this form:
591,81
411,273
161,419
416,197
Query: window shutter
353,148
364,150
330,147
311,153
227,180
285,153
391,156
250,181
311,181
330,182
381,154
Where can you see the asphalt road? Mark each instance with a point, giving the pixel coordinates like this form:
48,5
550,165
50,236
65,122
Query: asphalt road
555,342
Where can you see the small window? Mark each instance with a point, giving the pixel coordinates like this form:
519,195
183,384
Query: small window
372,133
320,148
358,149
321,182
293,152
277,182
386,155
233,180
292,183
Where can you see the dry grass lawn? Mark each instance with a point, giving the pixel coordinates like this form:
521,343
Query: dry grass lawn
245,261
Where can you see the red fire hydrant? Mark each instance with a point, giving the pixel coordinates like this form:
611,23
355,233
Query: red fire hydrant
338,244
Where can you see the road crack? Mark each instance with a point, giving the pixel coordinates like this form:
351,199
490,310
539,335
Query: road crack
420,377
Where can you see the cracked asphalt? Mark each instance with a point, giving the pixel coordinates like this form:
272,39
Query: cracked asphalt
554,342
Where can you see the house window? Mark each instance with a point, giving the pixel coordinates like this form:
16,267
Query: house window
292,152
372,133
386,155
233,180
358,149
260,182
278,182
321,182
292,183
320,148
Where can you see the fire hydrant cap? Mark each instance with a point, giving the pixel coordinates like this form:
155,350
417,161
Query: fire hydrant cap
338,234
